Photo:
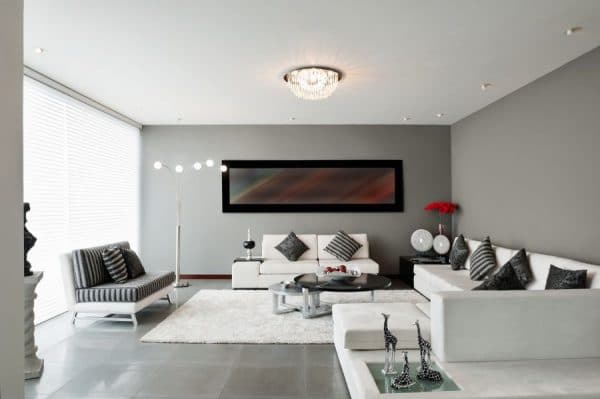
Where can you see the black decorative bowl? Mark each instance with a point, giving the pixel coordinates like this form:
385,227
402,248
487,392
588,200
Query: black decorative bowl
249,244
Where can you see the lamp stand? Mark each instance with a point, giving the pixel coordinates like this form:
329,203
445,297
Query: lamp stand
178,282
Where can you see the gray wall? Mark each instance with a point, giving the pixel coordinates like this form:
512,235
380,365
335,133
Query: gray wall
525,169
211,239
11,199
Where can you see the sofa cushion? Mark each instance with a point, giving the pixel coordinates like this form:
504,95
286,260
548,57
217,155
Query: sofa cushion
560,279
270,241
504,279
472,245
284,266
343,247
133,263
540,266
324,239
88,265
360,326
131,291
291,247
443,278
483,261
459,253
520,264
364,265
115,264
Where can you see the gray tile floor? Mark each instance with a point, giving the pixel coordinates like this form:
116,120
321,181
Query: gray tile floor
106,360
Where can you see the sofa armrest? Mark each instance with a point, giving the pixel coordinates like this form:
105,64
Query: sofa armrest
515,325
66,265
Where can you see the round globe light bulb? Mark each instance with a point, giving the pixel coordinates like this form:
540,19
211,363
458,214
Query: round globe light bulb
179,169
197,165
210,163
158,165
223,168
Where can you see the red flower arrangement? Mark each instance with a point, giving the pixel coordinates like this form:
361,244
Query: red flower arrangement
443,208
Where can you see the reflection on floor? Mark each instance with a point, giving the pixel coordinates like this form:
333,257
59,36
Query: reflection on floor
106,360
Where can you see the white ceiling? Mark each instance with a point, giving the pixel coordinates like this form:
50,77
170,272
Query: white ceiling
221,62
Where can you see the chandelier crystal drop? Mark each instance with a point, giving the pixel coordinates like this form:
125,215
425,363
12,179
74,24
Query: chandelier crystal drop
312,83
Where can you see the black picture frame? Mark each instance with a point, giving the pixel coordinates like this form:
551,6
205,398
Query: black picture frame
397,206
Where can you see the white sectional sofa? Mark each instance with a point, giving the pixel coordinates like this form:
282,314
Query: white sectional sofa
532,343
276,268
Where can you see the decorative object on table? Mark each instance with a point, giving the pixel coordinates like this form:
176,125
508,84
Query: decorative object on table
441,244
425,371
342,246
421,240
33,365
28,238
459,253
483,261
404,380
313,186
292,247
442,208
249,245
176,175
559,279
390,341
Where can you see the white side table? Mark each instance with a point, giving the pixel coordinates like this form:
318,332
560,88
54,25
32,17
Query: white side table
33,364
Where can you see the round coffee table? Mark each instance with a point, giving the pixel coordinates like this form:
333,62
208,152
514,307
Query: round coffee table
311,305
365,282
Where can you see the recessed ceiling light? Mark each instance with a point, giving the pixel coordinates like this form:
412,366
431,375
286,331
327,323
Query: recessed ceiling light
179,119
439,115
39,50
406,118
292,118
573,30
485,85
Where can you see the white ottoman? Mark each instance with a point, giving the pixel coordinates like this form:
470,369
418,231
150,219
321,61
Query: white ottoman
359,326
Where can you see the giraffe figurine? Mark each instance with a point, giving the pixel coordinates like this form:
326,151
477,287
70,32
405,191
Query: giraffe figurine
404,380
425,371
390,348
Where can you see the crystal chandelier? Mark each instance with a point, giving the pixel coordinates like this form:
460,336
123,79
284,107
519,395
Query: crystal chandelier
312,83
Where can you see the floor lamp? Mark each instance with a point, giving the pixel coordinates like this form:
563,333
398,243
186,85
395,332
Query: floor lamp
177,178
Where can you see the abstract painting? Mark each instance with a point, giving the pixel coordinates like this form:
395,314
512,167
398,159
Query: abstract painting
312,186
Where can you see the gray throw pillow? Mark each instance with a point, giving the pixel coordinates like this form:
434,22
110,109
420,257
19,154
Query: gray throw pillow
483,261
292,247
520,265
115,264
559,279
459,253
133,263
342,246
504,279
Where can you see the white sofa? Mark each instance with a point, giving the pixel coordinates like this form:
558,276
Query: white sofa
276,268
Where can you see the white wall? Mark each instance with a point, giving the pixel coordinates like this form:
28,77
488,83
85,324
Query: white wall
11,199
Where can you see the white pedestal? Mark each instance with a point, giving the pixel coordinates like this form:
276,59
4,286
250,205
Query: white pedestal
33,364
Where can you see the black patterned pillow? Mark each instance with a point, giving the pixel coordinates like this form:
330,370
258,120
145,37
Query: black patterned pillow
483,261
459,253
559,279
292,247
342,246
504,279
115,264
520,265
133,263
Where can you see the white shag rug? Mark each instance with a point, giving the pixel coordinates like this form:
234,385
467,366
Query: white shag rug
228,316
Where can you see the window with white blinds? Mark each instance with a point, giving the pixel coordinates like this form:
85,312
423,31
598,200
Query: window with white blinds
81,177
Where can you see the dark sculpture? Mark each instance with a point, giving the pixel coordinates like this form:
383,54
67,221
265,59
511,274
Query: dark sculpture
249,246
404,380
29,240
425,371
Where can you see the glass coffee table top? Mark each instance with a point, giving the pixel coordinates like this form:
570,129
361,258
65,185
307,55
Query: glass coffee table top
384,382
364,282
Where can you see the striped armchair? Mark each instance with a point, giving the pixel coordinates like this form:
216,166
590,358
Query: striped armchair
90,290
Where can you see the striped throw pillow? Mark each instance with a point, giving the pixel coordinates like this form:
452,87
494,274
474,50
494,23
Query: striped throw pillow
483,261
115,264
342,246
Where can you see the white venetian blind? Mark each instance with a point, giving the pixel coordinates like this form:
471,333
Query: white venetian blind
81,176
